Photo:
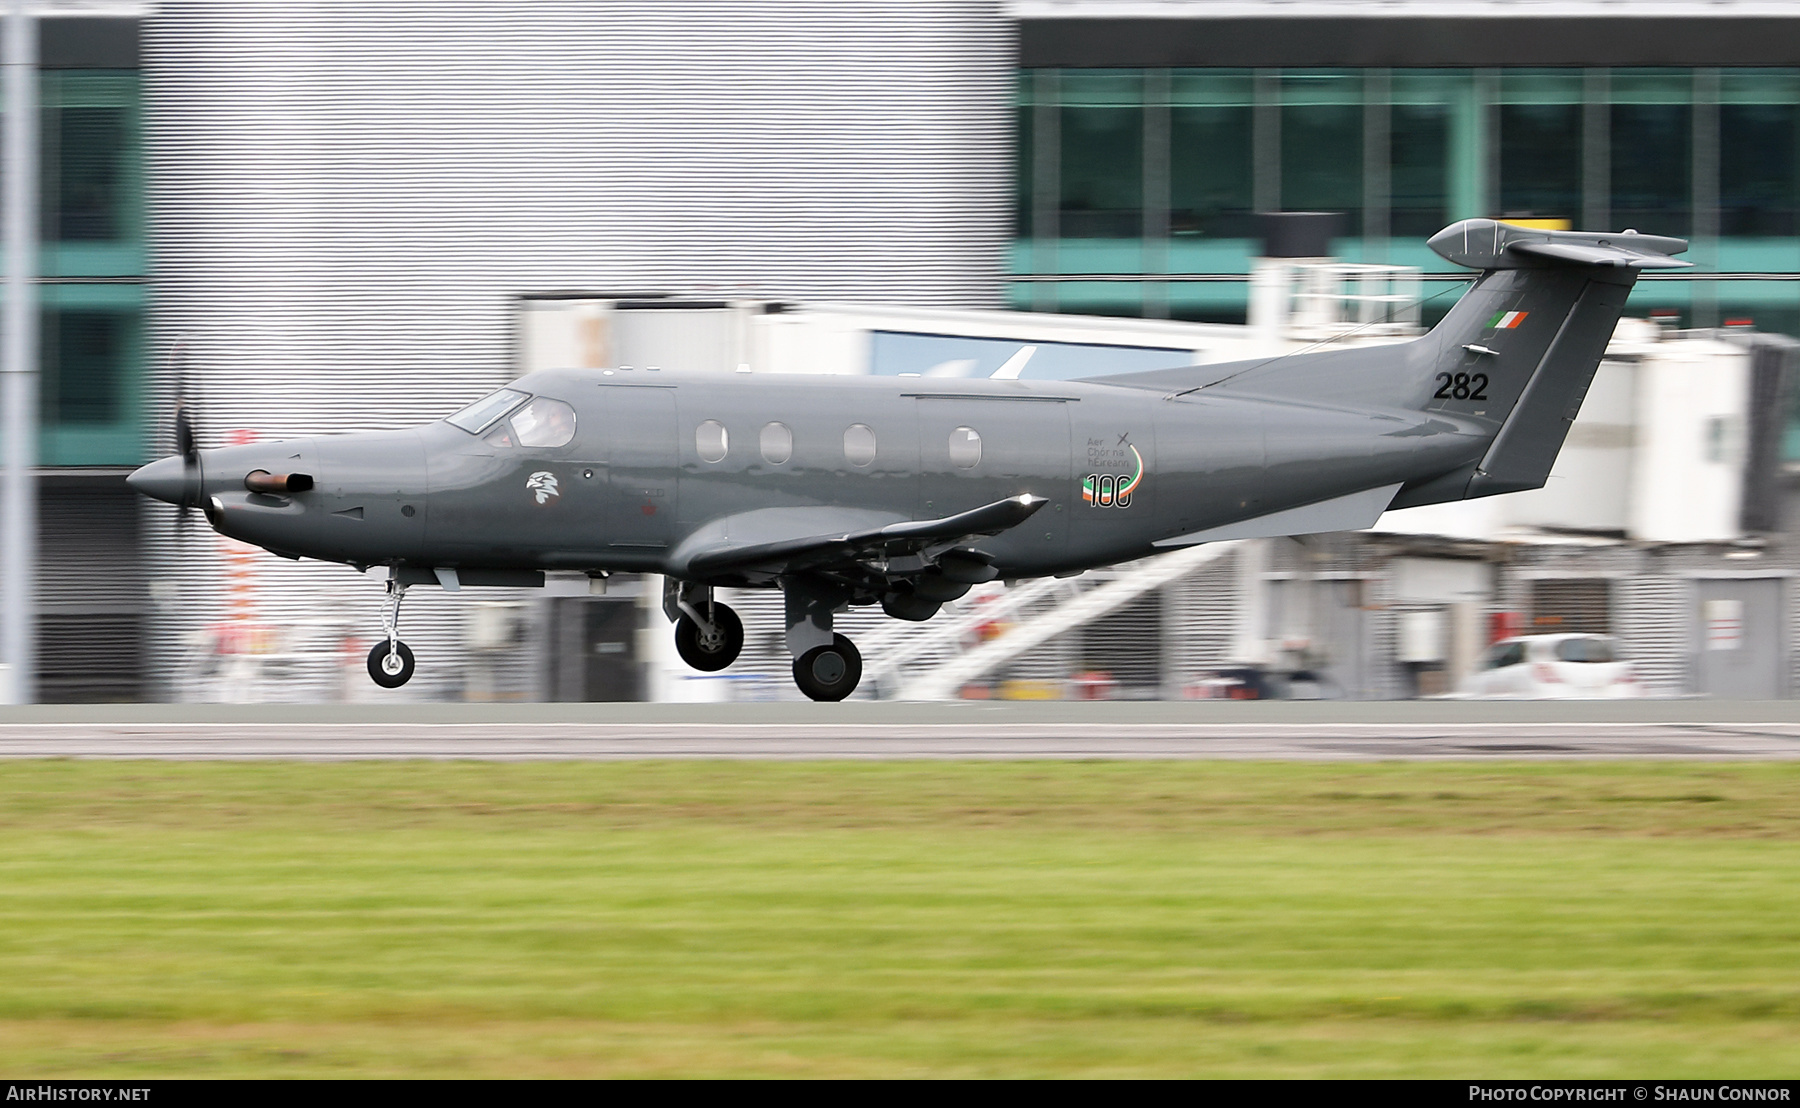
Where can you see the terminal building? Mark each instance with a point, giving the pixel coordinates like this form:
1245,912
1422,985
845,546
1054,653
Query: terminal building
346,217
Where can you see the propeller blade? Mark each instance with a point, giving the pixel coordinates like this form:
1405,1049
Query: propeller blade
187,439
184,430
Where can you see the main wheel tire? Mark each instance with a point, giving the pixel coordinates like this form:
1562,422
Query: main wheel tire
714,654
390,672
829,672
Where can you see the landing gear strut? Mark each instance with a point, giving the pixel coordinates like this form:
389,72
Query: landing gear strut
390,660
709,635
827,666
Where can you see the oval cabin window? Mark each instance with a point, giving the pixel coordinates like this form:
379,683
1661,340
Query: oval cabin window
711,441
859,444
965,448
777,443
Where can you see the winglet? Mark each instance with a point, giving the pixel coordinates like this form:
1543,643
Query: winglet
1014,366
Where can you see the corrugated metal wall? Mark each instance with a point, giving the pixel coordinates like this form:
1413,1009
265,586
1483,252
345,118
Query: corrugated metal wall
91,599
345,197
1652,628
1200,623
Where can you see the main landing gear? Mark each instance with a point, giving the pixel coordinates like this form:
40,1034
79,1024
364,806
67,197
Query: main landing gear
827,666
829,672
390,660
709,636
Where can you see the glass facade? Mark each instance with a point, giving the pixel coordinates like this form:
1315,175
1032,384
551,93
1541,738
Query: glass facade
92,264
1137,188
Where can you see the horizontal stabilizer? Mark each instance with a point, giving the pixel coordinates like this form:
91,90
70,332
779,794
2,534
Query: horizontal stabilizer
1343,513
1492,244
1583,254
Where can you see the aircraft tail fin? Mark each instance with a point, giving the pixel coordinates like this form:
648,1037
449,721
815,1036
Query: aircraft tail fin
1521,348
1511,361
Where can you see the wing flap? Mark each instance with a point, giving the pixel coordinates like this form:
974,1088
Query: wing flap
907,536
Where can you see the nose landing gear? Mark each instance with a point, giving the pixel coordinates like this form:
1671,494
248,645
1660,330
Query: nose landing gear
390,660
708,636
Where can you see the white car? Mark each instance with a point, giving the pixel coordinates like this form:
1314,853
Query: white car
1541,667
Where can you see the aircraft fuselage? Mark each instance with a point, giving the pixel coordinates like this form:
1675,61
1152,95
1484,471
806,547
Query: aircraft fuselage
1122,469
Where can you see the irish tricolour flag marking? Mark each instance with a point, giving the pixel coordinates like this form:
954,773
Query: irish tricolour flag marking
1506,321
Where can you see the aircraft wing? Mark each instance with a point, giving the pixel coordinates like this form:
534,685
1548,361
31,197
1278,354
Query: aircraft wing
720,553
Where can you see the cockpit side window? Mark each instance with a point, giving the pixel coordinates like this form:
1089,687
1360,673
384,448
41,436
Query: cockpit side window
544,423
480,415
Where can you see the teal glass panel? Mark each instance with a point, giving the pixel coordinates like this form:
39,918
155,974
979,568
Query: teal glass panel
1210,172
1321,88
1758,172
90,384
1099,255
1210,129
1102,162
1540,160
1437,130
1652,167
1208,303
1541,86
1322,144
84,367
1764,255
1024,163
1428,86
91,176
86,163
1194,254
1419,174
1114,298
1652,86
1212,88
1759,86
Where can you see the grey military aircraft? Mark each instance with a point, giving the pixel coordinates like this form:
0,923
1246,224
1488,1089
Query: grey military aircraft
906,492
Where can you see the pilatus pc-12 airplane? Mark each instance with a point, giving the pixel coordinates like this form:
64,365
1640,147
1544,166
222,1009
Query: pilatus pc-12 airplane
905,492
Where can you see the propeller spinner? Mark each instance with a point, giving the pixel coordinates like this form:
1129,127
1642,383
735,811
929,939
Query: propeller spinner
176,480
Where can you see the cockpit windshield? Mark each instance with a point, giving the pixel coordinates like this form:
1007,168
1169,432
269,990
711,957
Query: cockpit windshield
544,423
478,416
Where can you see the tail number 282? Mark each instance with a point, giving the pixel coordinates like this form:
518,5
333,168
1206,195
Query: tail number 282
1461,386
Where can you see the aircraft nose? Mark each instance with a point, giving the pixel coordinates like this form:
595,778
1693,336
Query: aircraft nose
168,479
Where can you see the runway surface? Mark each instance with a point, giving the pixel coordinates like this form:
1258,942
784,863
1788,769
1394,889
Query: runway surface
1318,732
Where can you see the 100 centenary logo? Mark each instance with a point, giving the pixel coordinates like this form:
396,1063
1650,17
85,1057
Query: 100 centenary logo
1112,490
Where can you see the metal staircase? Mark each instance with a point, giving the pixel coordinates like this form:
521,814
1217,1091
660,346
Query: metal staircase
900,650
934,661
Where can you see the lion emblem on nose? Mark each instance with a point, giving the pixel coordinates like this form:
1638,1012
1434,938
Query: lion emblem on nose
542,485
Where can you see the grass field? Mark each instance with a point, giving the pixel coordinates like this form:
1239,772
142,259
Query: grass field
1229,919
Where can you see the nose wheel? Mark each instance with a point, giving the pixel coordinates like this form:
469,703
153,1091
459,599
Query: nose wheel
829,672
393,667
390,660
708,636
